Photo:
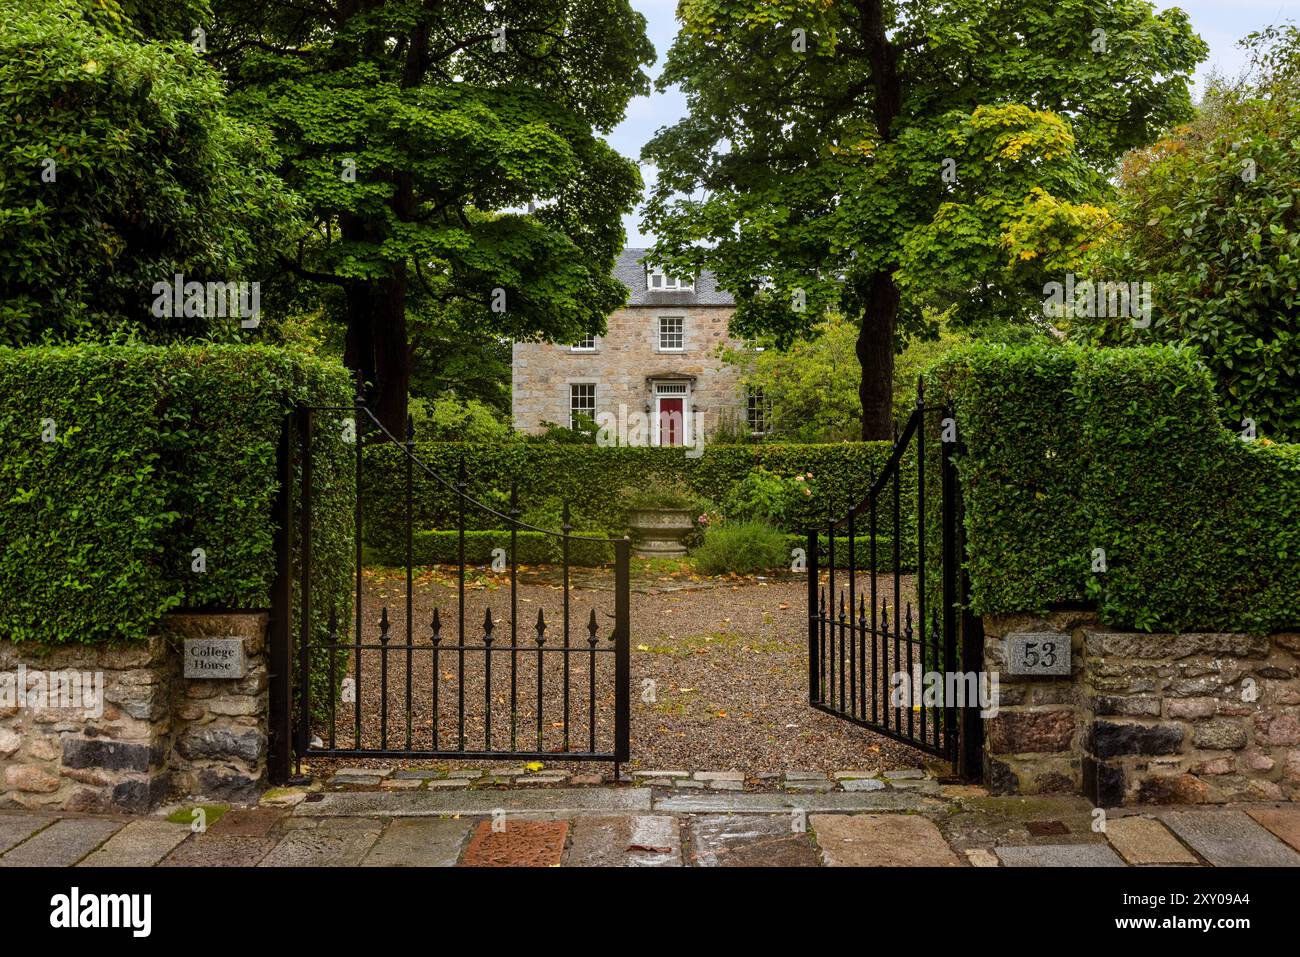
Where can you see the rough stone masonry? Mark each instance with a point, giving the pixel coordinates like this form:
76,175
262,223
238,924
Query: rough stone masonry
1148,718
156,732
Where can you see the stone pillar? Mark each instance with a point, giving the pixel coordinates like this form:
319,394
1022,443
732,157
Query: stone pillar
118,728
219,747
1033,744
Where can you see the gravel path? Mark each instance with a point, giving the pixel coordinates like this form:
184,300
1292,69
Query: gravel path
719,674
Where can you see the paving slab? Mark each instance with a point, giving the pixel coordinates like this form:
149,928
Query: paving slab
214,850
862,784
881,840
248,822
139,844
63,843
1284,822
551,802
768,840
331,844
517,844
1142,840
16,828
1228,839
643,840
1059,855
420,842
775,803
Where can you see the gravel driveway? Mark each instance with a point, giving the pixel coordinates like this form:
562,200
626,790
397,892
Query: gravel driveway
719,674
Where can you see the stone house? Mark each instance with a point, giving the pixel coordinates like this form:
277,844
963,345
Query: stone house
655,376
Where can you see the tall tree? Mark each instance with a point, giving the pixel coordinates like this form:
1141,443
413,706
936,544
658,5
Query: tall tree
119,168
878,156
451,144
1210,219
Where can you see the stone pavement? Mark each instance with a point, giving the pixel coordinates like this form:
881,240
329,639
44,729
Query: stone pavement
906,819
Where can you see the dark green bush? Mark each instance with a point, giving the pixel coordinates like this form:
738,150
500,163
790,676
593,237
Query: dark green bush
532,548
157,452
741,548
1073,450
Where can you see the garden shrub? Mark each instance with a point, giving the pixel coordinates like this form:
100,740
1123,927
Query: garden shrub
155,452
741,548
1069,450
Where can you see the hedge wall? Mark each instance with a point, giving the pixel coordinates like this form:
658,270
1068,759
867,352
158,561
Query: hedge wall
155,452
1069,450
535,548
591,477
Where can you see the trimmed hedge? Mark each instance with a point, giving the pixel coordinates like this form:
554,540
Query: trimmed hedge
537,548
534,548
157,451
591,477
1068,450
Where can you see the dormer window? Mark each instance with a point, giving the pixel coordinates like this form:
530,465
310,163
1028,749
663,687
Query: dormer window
656,280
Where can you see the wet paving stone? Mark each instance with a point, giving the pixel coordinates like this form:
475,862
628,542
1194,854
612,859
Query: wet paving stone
1284,822
247,822
16,828
419,842
210,850
1059,855
752,840
517,844
646,840
1140,840
881,840
1228,839
332,844
139,844
63,843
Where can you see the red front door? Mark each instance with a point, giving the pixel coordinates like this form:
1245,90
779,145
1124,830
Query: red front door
671,421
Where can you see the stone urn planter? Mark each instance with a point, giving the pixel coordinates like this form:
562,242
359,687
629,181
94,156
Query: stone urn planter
659,532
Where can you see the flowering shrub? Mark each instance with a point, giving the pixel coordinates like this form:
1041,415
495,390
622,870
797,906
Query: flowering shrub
764,496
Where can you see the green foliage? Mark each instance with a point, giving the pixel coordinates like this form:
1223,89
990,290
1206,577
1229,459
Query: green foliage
151,177
531,548
811,387
156,452
447,418
941,155
658,492
412,131
741,548
1069,450
1209,219
764,496
589,475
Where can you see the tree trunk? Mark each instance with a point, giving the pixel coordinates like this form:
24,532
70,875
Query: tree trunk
875,350
377,347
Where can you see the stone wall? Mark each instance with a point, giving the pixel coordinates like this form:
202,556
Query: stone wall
623,359
142,731
1149,718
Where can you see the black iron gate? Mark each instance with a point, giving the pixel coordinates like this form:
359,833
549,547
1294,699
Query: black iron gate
893,652
484,673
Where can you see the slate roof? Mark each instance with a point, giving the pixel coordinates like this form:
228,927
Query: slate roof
630,271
